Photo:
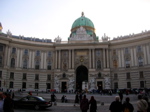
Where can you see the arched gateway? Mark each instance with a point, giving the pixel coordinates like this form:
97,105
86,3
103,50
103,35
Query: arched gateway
81,76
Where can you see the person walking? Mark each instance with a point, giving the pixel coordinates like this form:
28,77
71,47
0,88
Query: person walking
84,105
142,105
93,104
121,95
53,98
1,102
116,105
127,106
76,99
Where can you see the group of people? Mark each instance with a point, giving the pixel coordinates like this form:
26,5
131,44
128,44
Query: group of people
85,103
117,106
6,102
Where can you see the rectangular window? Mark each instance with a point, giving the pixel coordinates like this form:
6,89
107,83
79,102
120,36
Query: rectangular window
11,84
128,84
48,85
36,85
48,67
141,74
23,85
126,50
0,74
115,76
49,77
24,77
141,84
128,75
36,76
37,67
1,48
13,50
116,85
11,75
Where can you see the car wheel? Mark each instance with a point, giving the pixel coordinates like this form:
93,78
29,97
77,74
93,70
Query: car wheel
37,107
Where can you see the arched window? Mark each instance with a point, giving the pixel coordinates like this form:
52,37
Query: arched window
98,64
12,62
37,64
140,61
127,62
115,63
49,65
25,62
1,61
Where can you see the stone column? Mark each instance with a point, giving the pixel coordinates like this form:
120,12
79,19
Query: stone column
107,59
8,57
69,59
56,59
5,56
145,57
104,58
41,64
18,54
132,61
122,57
93,59
90,58
148,53
44,60
21,53
135,56
73,59
119,56
33,59
30,57
59,60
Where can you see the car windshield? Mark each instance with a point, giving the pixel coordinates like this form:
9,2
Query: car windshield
41,98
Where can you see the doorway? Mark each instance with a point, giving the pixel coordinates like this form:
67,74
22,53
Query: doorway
81,75
64,87
100,85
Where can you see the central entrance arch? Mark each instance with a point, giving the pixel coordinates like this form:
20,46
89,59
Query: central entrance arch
81,75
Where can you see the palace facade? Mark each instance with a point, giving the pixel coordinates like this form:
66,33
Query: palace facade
82,62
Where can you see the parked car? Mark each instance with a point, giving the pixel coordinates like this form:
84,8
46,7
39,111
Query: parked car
35,102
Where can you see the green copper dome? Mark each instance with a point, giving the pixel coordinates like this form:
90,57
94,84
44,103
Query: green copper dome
82,21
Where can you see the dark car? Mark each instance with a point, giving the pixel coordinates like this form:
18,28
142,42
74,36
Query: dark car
35,102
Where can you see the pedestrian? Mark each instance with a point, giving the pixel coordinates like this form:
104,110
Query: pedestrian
142,105
93,104
1,102
76,99
121,96
146,99
8,105
63,99
53,98
116,105
80,96
84,105
127,106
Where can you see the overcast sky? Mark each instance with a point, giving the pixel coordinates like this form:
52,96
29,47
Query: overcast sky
50,18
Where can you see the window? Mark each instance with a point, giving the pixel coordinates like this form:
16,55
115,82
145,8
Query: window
49,77
37,53
24,77
115,64
11,84
49,66
48,85
64,75
116,85
97,52
126,50
13,50
114,52
1,48
141,74
36,85
1,61
127,62
36,76
128,75
128,84
99,75
11,75
25,64
37,64
139,48
12,63
49,54
140,60
115,76
141,84
0,74
98,64
26,52
23,85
